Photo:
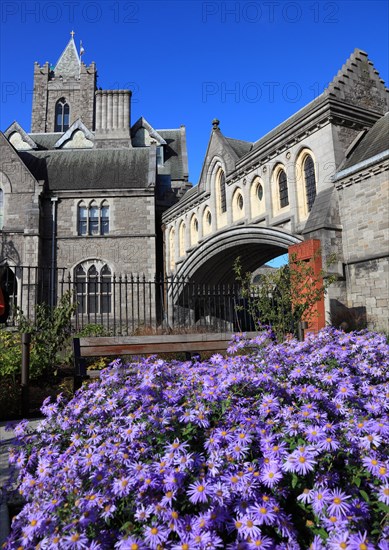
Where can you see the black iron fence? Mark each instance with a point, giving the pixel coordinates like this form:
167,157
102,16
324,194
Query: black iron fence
126,304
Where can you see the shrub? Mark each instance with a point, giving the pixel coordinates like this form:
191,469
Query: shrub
284,297
10,353
50,332
282,448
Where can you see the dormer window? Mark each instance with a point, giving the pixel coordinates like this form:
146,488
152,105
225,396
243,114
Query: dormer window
62,115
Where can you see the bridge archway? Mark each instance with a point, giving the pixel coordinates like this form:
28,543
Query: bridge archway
212,260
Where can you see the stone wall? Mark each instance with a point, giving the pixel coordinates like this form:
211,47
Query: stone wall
363,203
131,237
79,94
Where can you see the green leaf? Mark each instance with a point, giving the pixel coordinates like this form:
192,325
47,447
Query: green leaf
295,480
364,495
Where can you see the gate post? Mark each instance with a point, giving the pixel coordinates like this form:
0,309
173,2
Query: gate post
309,251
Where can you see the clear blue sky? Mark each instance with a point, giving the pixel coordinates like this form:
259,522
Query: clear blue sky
249,63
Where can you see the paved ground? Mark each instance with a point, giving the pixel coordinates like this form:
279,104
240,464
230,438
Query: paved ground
5,441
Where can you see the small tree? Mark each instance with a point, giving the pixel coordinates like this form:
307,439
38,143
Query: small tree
284,297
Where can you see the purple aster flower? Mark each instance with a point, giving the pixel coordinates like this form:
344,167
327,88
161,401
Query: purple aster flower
249,526
122,487
199,492
301,460
360,541
371,463
263,513
260,542
383,494
319,499
76,541
329,443
130,543
270,475
306,496
339,541
155,535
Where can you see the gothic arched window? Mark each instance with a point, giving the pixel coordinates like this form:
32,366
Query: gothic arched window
93,288
222,192
310,181
283,188
182,239
62,115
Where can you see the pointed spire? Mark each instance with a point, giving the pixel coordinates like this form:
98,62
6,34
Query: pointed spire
68,65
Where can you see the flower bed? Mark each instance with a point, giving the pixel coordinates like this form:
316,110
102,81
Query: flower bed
284,447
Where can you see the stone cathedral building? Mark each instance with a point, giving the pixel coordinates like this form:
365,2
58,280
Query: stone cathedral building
94,193
85,189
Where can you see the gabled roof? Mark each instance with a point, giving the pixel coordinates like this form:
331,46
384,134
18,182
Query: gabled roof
90,168
154,134
67,136
357,83
239,146
19,138
375,141
68,65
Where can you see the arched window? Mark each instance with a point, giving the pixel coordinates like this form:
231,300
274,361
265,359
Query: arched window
207,221
104,226
82,219
283,188
182,239
1,208
172,247
237,205
93,219
194,231
62,113
310,181
257,200
222,192
93,288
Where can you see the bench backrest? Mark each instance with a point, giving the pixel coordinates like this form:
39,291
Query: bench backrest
164,343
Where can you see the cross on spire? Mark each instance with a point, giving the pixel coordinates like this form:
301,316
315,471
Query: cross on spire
72,33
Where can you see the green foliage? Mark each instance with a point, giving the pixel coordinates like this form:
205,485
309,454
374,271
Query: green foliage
284,296
50,332
10,353
93,329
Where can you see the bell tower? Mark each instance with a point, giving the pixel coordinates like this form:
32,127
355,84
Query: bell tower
63,93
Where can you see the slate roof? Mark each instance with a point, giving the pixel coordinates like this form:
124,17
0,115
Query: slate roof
376,141
173,152
239,146
46,141
89,168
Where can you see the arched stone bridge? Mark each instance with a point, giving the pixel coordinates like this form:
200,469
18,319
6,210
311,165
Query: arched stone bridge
254,200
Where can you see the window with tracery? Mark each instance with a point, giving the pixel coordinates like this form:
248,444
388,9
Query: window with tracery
62,115
93,288
283,188
310,181
93,219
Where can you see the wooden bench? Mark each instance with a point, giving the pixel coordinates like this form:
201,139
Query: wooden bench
145,345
